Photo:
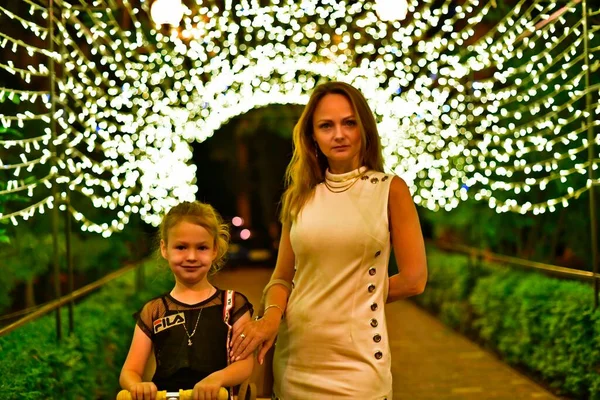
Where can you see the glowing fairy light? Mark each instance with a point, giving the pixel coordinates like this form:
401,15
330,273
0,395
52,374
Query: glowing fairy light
128,105
391,10
167,12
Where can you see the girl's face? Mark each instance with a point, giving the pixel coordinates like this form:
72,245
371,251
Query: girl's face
337,133
190,251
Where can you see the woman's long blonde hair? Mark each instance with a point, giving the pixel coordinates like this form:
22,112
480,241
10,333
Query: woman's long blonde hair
306,169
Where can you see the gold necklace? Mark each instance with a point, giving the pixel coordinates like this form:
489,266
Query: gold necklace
194,331
341,189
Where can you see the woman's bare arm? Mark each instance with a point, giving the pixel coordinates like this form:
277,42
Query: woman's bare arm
408,244
236,372
261,334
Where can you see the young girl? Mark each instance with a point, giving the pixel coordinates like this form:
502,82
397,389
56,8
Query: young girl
186,327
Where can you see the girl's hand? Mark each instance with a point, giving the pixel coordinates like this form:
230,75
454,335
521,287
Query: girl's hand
143,391
255,334
208,388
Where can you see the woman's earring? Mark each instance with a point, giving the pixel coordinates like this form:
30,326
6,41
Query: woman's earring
316,150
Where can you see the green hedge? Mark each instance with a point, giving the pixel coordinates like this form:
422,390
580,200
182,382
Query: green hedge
545,325
85,365
28,258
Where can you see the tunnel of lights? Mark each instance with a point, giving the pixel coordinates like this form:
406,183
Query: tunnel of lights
466,108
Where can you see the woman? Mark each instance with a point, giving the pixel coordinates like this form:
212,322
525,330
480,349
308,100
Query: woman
341,214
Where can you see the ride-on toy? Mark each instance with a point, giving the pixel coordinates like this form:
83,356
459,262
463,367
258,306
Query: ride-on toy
164,395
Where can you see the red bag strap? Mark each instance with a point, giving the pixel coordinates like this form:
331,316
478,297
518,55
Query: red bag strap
228,304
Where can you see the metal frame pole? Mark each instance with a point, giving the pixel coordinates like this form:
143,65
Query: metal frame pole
54,167
67,205
591,142
69,260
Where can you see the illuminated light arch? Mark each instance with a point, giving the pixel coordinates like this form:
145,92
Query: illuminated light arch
449,137
388,108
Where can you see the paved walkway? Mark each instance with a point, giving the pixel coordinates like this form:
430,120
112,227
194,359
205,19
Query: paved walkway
429,360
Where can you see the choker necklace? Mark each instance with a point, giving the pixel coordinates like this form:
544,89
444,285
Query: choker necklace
194,331
338,183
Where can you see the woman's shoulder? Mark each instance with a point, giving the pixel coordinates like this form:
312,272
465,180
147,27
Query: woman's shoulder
377,183
377,176
400,194
399,187
380,176
387,185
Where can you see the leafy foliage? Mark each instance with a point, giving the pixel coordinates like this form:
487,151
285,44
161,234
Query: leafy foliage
85,365
29,256
545,325
548,237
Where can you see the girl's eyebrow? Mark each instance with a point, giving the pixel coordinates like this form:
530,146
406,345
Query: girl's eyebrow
180,242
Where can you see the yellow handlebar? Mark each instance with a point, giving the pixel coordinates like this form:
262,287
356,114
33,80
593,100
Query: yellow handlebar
183,395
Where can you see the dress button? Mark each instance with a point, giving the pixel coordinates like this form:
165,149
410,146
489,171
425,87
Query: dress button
372,271
378,253
378,355
371,288
377,338
374,323
373,306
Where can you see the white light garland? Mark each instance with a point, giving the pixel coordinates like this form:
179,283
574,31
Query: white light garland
128,107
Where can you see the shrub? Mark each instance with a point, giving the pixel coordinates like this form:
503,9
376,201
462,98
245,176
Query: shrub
546,325
85,365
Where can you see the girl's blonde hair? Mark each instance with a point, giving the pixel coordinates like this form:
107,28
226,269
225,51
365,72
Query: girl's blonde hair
200,214
306,169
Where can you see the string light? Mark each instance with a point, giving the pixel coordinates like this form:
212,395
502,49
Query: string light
167,12
391,10
129,102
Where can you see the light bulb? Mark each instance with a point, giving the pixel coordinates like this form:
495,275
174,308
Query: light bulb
391,10
167,12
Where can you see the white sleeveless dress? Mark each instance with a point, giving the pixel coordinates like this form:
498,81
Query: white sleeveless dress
333,342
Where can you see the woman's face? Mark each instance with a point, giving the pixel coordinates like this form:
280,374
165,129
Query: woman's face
336,131
190,251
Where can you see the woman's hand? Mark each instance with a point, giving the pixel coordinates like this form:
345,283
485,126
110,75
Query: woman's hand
208,388
255,334
143,391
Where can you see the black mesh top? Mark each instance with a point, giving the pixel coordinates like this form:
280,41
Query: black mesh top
178,364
